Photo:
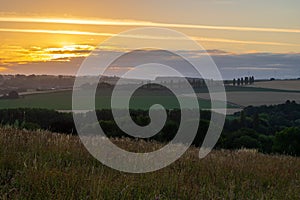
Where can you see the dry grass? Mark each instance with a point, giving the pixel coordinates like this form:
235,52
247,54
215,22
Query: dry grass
42,165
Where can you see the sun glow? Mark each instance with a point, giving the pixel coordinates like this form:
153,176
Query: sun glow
39,54
74,47
3,69
66,52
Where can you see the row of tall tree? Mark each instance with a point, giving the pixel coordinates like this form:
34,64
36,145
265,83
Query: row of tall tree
243,81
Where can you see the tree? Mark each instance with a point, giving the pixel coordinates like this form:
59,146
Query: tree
288,141
201,133
31,126
167,133
247,142
246,80
255,121
243,138
13,95
234,82
251,79
266,142
243,118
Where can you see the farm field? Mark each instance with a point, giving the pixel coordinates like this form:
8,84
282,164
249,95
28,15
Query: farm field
237,97
293,85
257,98
63,101
43,165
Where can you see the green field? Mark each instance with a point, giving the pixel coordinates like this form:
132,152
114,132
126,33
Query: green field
43,165
63,101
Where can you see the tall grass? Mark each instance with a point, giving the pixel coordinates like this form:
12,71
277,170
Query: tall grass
43,165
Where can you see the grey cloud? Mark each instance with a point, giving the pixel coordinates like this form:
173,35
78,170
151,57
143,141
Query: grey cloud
260,65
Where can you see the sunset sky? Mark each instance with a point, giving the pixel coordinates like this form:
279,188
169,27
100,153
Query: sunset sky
244,37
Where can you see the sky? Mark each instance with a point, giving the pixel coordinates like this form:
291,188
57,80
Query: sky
260,38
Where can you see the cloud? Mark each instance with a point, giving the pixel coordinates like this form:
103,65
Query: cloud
223,40
4,69
72,32
117,68
67,59
20,55
111,22
227,2
51,67
262,65
253,68
64,32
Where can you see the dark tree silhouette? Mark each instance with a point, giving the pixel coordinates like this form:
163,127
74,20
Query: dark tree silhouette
288,141
251,79
13,95
246,80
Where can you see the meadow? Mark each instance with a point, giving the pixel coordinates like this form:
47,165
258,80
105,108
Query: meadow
44,165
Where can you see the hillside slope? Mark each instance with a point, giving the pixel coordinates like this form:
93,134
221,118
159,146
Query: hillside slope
42,165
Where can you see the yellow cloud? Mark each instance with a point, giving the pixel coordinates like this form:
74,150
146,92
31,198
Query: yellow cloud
38,52
20,55
69,32
65,32
17,54
4,69
223,40
142,23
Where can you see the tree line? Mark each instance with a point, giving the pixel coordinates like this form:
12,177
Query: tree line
243,81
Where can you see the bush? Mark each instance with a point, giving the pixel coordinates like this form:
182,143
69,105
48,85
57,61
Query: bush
31,126
247,142
288,141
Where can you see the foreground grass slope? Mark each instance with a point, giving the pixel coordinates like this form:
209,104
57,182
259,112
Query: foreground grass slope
42,165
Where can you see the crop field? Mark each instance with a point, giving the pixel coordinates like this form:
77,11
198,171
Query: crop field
293,85
43,165
236,96
63,101
258,98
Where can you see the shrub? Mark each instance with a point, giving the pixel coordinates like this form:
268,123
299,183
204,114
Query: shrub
287,141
